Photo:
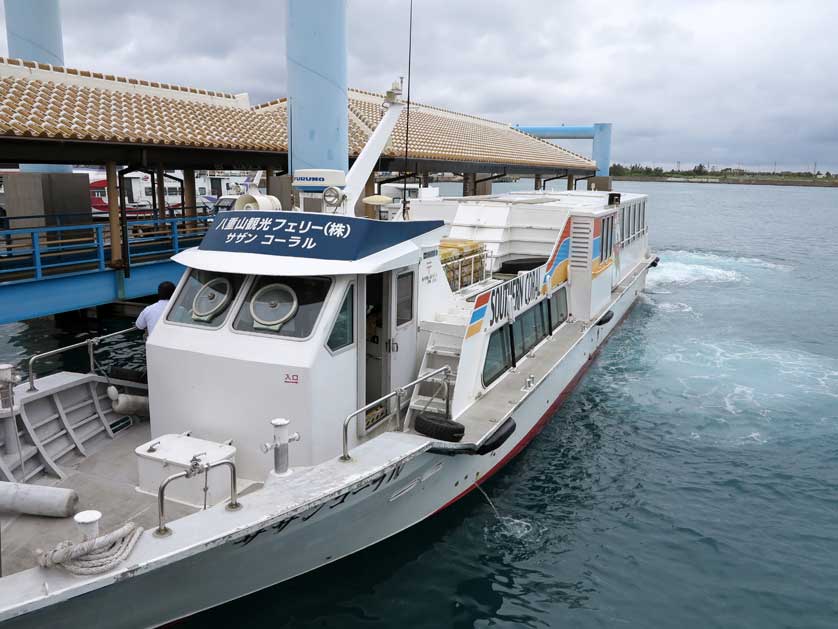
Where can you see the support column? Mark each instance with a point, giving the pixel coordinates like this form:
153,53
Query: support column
189,198
538,185
483,188
316,57
33,32
269,172
469,184
370,211
161,192
601,152
113,215
571,182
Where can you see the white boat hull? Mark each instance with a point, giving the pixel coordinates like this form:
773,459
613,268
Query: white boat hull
400,497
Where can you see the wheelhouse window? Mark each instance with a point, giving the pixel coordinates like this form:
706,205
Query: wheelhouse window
404,298
343,332
205,298
283,306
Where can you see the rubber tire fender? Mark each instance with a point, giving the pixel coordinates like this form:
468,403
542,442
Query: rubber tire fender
437,427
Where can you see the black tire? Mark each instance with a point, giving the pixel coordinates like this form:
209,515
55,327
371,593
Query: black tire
606,318
513,267
437,427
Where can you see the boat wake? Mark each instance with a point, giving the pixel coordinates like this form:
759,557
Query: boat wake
674,307
749,391
682,268
682,273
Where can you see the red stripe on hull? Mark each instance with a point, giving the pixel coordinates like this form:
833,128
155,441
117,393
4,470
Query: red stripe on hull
539,425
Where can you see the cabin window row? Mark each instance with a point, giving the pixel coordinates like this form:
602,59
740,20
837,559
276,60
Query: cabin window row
632,221
510,343
607,239
171,191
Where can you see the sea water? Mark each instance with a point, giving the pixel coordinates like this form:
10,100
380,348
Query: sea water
691,480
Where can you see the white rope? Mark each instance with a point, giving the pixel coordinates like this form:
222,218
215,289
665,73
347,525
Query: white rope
93,556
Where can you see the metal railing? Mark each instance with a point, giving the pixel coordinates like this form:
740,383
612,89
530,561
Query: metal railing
33,252
90,343
134,211
195,468
398,393
476,273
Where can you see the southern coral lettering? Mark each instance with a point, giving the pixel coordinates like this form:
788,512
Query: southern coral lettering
524,289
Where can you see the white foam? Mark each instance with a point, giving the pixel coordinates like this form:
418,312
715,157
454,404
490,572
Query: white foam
703,257
516,528
506,529
669,272
674,307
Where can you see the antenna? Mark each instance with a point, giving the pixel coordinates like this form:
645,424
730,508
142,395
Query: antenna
407,120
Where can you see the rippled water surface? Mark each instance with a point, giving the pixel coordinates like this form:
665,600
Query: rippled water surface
690,481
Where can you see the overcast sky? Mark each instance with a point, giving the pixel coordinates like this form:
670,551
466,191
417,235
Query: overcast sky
715,82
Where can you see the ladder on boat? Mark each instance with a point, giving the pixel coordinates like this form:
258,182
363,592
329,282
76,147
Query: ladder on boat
50,426
443,349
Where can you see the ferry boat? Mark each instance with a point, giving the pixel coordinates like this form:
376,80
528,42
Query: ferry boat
318,383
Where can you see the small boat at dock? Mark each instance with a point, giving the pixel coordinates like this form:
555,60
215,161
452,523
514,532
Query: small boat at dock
318,383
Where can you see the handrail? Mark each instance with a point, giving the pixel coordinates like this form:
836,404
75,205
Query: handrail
398,392
487,257
194,469
33,252
79,227
103,212
90,343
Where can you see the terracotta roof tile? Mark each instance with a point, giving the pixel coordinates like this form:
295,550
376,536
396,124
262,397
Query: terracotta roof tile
52,102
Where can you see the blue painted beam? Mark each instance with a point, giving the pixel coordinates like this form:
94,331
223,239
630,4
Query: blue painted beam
62,293
600,133
563,132
317,96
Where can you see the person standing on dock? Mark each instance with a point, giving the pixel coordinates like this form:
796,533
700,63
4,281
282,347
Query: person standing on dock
151,314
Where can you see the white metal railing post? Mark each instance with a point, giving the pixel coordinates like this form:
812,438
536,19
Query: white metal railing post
89,343
446,369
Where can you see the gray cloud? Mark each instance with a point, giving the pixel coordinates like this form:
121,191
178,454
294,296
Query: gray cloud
726,82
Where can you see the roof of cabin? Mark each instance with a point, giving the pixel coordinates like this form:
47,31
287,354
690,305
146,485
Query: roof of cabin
43,102
302,243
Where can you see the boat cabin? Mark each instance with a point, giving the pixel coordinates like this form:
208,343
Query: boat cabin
295,315
310,316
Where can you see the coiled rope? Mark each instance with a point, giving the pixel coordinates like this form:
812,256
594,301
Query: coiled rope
93,556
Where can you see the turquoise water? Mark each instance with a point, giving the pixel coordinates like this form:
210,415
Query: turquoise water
691,480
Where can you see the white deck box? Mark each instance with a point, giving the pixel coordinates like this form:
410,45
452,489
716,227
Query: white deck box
169,454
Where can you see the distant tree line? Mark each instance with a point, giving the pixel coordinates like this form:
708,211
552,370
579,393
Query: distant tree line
620,170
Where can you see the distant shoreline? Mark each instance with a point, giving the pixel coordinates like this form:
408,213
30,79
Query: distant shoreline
806,183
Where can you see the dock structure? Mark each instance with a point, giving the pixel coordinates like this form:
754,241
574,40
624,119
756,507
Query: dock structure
57,115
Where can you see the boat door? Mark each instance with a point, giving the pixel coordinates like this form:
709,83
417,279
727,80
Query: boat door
400,348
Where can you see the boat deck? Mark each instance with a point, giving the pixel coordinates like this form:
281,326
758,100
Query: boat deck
105,480
510,390
498,403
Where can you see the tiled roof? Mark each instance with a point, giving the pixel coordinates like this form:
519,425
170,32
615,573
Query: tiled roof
41,101
437,133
